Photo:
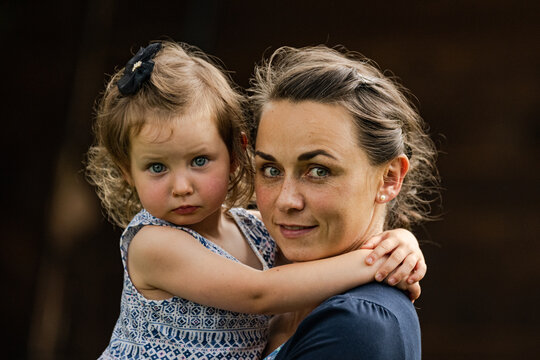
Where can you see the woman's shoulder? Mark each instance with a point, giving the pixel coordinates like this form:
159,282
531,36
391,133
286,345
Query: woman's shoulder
379,294
374,295
372,321
376,304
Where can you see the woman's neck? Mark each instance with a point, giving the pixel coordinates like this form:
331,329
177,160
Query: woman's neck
283,326
301,315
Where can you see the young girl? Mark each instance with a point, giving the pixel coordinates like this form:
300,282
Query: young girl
171,150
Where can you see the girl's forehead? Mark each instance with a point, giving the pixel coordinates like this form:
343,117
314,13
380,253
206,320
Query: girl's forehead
160,127
155,132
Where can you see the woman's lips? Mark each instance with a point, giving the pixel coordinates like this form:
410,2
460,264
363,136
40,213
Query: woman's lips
185,210
293,231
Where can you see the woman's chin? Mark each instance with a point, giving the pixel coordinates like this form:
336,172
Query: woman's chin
302,254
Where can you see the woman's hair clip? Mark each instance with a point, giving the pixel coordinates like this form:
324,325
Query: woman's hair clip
138,69
408,151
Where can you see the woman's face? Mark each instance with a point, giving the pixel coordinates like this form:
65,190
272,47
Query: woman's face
316,190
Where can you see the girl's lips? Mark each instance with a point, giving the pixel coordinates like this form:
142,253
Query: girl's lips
293,231
185,210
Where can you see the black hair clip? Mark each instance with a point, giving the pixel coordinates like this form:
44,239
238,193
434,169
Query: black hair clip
138,69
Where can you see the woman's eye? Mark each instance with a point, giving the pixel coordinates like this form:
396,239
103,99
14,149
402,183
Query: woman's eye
156,168
199,161
318,172
271,171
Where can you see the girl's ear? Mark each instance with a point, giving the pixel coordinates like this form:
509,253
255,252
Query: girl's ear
393,175
244,141
234,165
127,176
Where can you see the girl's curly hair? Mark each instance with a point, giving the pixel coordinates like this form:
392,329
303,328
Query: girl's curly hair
183,79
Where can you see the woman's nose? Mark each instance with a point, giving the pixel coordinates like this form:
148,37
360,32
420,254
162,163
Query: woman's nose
290,197
182,185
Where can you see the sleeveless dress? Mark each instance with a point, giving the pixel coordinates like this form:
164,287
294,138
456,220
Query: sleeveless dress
177,328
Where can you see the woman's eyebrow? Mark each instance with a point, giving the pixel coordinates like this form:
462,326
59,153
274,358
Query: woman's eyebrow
311,154
267,157
302,157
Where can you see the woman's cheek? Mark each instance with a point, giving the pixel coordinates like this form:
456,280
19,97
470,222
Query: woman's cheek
263,195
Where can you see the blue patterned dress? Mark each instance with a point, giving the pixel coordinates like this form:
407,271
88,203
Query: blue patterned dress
177,328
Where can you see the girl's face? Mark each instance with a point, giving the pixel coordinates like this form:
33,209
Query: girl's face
181,171
315,187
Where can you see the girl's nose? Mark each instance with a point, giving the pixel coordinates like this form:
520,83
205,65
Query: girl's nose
182,185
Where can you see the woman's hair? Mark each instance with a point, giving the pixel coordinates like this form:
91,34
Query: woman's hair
183,80
388,124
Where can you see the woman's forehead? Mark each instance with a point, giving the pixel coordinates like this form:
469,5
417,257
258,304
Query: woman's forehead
303,130
306,121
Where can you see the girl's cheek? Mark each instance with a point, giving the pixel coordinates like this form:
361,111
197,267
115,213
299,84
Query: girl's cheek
216,186
153,191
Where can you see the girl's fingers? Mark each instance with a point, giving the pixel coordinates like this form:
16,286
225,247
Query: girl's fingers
373,241
414,291
386,246
403,271
395,259
419,272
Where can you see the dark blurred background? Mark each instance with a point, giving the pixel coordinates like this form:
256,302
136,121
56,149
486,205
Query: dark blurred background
473,65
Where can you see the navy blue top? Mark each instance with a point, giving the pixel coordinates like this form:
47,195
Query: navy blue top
373,321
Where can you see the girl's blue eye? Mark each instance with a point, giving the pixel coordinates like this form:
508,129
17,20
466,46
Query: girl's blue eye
318,172
156,168
271,171
200,161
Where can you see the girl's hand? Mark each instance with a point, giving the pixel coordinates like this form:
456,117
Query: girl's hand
413,290
405,264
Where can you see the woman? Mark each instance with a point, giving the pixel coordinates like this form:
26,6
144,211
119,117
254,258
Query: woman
339,152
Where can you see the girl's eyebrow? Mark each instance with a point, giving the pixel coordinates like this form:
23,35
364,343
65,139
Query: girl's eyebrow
302,157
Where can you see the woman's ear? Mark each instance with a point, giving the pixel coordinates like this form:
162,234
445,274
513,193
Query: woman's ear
393,175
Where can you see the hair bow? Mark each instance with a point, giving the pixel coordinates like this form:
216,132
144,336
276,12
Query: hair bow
138,69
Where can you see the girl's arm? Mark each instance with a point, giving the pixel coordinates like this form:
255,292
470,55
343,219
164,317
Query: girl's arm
166,259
